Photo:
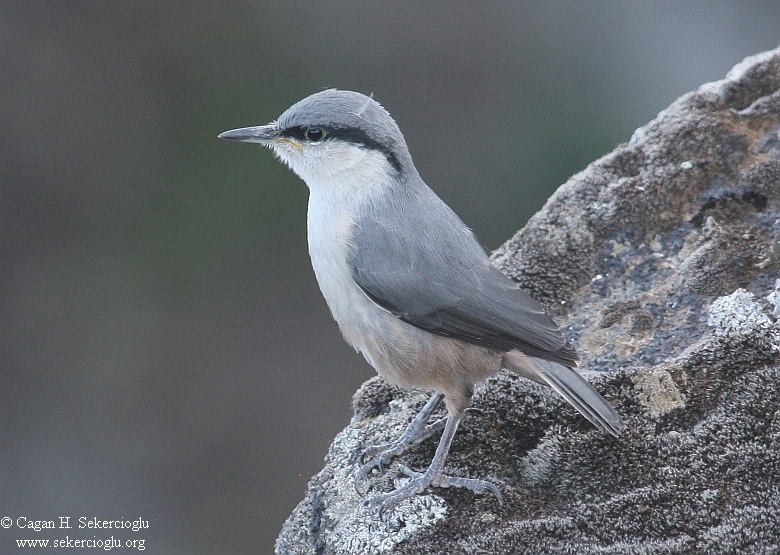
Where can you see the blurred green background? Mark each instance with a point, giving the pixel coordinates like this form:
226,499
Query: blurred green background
165,352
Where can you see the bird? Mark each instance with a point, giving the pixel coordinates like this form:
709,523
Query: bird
409,284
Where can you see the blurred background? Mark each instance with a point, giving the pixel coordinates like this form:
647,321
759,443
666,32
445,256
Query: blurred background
164,349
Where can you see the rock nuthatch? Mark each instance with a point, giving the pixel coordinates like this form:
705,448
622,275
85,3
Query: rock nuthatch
407,282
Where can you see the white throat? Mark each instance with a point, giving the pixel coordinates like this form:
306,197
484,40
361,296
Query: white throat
339,190
336,164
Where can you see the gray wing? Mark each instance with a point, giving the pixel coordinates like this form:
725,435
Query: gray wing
440,280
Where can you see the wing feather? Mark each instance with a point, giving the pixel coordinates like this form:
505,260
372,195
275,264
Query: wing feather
464,297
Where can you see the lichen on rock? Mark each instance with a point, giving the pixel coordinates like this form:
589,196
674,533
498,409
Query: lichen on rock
661,262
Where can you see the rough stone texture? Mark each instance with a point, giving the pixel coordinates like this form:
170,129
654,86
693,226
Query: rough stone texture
661,260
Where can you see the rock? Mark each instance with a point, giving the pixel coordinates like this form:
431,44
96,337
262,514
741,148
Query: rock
661,261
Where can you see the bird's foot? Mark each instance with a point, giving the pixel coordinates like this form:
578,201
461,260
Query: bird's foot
378,456
420,481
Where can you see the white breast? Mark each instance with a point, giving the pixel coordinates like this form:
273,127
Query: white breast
400,353
333,202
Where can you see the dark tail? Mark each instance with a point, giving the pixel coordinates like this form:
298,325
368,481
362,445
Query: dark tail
572,387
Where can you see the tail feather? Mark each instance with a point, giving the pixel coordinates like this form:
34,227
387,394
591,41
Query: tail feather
574,388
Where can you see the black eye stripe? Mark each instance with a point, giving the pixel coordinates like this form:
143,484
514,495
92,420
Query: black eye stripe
298,133
348,134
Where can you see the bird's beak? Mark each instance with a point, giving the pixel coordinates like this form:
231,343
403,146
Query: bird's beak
262,134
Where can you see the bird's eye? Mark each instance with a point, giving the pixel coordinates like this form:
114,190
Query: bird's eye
314,134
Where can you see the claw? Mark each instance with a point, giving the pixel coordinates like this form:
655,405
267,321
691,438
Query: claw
378,461
378,456
359,478
419,482
381,512
434,476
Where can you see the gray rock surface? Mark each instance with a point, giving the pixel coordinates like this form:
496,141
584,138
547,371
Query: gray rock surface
661,260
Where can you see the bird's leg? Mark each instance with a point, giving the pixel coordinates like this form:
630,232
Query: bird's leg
380,455
435,476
